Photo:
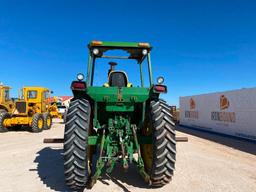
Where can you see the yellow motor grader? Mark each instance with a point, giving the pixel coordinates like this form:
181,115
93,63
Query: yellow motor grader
31,110
53,108
6,103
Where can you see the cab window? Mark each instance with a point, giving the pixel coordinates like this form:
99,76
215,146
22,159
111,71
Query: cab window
46,95
7,95
32,94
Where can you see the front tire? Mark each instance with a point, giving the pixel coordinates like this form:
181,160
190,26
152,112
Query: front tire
3,116
3,111
37,123
47,121
160,156
76,160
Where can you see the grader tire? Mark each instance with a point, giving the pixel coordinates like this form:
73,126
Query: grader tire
37,123
3,110
3,116
76,166
47,121
163,146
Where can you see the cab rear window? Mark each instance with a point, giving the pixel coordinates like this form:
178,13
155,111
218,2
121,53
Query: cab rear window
32,94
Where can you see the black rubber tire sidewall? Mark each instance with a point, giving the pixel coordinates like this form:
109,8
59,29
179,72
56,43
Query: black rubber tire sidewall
163,143
34,127
46,116
3,116
77,125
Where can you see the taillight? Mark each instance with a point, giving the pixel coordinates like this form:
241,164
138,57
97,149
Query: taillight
160,88
78,85
143,45
96,43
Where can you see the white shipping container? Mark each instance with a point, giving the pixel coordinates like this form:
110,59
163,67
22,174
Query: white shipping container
231,112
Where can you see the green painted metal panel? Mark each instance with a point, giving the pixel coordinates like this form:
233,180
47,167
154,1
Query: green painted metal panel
124,95
103,94
120,108
136,94
93,140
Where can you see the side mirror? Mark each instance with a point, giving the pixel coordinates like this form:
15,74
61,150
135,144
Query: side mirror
51,92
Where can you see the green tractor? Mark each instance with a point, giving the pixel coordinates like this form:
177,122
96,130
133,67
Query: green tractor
118,122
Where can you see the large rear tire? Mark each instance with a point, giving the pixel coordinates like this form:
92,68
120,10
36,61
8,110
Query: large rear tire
3,116
159,158
76,160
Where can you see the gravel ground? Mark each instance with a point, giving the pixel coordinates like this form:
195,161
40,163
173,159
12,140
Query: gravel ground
208,162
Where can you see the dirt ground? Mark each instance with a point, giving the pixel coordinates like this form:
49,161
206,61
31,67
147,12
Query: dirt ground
208,162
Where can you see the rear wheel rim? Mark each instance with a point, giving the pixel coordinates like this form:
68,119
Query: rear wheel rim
147,153
40,123
147,149
48,121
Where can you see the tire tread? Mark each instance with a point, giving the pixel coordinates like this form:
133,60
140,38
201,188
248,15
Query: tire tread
164,143
75,144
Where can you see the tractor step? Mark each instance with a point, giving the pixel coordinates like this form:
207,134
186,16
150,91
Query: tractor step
53,140
181,139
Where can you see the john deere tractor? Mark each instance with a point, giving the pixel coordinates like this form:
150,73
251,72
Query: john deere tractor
118,120
31,109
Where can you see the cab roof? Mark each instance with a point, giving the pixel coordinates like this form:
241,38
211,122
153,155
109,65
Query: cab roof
133,48
119,44
34,88
5,87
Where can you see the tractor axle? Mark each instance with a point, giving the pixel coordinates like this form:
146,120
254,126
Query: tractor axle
61,140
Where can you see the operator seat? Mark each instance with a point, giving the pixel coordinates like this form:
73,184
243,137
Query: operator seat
117,79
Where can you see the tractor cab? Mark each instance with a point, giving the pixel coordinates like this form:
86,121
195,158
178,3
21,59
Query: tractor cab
6,103
134,58
128,56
